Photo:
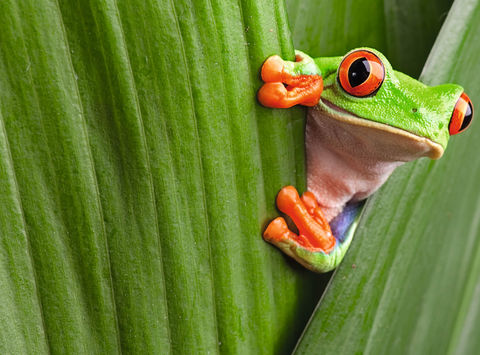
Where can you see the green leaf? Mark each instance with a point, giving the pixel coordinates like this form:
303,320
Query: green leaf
409,283
137,171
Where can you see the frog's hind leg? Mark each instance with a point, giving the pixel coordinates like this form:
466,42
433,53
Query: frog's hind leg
313,235
316,246
290,83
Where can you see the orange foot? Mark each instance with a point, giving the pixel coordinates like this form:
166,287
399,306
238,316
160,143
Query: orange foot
315,233
283,89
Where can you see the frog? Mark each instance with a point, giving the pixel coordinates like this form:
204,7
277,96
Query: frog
364,119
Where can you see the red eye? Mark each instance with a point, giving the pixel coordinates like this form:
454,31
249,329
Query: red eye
361,73
462,115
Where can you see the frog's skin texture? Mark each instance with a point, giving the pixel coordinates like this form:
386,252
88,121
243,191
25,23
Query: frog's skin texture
358,130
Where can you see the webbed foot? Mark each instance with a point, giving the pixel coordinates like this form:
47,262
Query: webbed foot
315,247
290,83
314,231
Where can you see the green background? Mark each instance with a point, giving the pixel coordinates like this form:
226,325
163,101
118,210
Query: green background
137,172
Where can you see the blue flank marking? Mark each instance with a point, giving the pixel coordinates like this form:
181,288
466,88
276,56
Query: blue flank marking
342,222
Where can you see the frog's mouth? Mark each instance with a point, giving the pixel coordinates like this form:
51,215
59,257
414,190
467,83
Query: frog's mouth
400,138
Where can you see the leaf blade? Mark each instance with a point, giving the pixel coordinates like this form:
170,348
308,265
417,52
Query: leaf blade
146,160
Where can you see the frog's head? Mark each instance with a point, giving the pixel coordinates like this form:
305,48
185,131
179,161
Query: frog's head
362,89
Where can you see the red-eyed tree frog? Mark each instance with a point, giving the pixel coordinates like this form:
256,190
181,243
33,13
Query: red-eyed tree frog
365,119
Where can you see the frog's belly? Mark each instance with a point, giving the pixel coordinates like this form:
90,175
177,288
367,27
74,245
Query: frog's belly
347,162
334,182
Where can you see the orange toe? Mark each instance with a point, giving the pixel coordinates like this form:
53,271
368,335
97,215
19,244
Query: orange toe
276,231
309,201
272,69
312,99
274,95
310,90
314,209
287,199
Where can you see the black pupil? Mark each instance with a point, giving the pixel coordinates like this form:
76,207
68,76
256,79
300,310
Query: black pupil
358,72
468,117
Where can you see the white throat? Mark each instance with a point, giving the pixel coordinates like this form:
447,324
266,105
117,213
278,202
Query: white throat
347,161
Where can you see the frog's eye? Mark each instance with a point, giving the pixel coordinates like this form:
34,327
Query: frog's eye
361,73
462,115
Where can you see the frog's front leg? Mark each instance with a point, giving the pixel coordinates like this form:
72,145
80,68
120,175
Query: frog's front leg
290,83
315,246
